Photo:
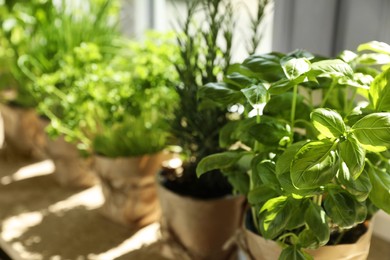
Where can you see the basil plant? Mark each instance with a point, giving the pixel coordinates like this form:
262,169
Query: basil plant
309,141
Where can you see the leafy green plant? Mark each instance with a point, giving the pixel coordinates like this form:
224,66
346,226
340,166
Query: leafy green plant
116,107
39,33
311,149
18,24
205,55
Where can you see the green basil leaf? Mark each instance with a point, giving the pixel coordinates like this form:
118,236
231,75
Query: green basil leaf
280,106
289,189
316,220
218,161
332,69
328,122
343,209
380,193
264,63
239,80
261,194
373,131
295,67
296,219
360,188
314,165
238,179
347,56
220,93
375,46
274,216
283,163
265,171
373,59
380,92
353,155
294,253
256,94
308,239
281,86
271,131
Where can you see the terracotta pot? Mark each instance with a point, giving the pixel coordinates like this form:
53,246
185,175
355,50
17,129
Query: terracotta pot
23,133
71,170
129,188
199,229
259,248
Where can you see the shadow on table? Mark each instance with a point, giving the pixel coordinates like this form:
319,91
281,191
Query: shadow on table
149,252
31,194
73,234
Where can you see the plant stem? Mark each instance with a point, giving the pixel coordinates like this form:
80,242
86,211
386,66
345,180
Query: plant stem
293,106
334,82
340,237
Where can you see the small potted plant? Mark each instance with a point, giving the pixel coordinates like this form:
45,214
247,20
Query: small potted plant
119,111
205,55
67,31
310,150
22,128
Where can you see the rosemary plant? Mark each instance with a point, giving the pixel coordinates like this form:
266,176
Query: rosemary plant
205,40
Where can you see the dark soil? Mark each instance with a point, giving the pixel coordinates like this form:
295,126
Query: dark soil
184,181
350,236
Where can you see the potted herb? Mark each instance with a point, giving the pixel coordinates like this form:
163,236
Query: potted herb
67,31
119,111
205,55
22,128
314,170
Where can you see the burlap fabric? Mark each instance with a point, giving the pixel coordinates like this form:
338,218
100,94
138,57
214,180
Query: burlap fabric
194,229
129,188
71,169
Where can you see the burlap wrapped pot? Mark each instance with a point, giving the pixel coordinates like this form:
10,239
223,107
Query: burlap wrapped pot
23,132
129,188
199,229
258,248
71,169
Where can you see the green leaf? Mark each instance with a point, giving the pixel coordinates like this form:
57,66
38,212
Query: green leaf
380,192
295,67
317,222
256,94
353,155
280,106
294,253
375,46
220,93
274,216
283,163
271,131
239,180
373,131
265,172
281,86
239,80
328,122
343,209
380,92
268,64
360,188
332,69
347,56
314,165
261,194
218,161
373,59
